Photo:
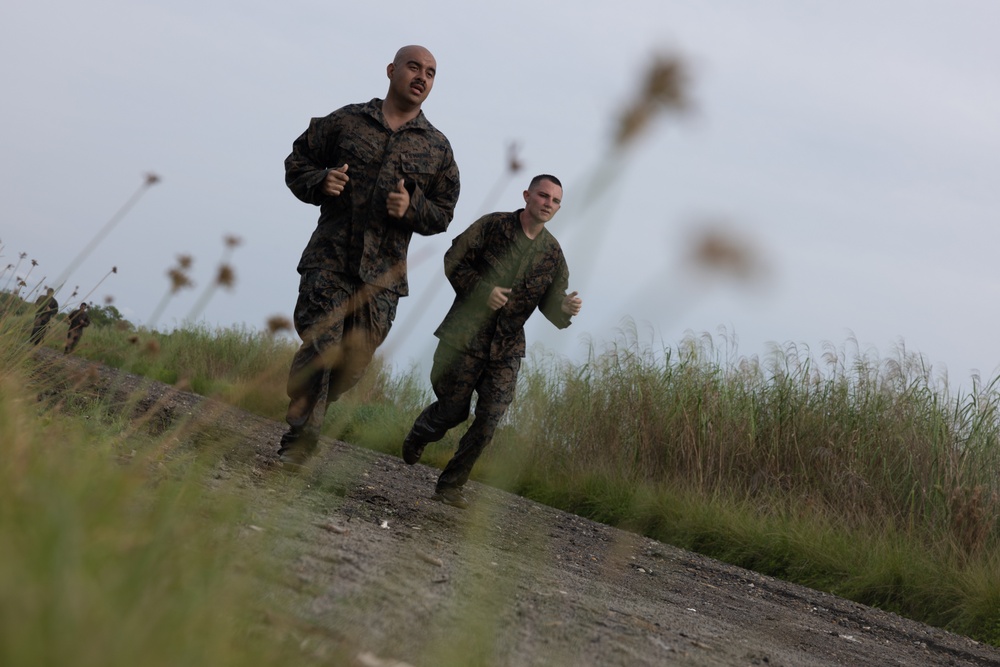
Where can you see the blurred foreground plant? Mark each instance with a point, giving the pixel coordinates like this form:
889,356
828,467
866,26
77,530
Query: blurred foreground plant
113,555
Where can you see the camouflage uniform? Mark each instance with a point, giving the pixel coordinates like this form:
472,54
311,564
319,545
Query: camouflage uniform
480,349
78,321
47,308
353,270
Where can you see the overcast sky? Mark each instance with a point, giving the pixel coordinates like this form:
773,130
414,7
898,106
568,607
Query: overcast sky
850,149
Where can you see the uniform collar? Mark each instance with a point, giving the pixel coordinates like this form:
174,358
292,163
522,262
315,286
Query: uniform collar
374,109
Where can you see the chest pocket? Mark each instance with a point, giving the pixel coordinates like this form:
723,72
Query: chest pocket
536,283
494,265
410,164
419,169
355,149
502,259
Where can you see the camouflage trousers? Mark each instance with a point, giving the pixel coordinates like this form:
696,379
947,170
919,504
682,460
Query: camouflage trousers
341,321
38,328
72,338
454,376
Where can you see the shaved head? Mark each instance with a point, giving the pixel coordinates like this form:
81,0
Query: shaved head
411,77
413,51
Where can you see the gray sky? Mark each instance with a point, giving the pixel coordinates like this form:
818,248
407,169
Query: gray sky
851,148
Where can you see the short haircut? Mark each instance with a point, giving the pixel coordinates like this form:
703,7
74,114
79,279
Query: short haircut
543,177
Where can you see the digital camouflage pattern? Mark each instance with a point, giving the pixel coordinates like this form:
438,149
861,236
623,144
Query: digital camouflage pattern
454,377
341,322
354,266
482,257
480,349
355,235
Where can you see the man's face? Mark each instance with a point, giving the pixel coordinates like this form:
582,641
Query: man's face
411,76
542,201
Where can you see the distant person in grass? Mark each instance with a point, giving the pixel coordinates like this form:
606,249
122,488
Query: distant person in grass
46,309
79,320
503,267
379,171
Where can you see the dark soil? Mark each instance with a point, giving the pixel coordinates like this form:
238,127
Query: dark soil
375,570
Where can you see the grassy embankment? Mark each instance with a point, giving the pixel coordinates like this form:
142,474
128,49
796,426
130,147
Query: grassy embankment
116,548
854,475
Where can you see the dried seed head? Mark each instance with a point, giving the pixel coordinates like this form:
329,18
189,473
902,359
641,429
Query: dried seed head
721,251
152,179
34,262
108,300
226,277
232,241
184,261
665,89
133,339
667,82
114,269
277,323
178,280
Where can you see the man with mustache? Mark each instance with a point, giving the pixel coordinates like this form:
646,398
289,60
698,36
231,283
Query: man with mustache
503,267
379,171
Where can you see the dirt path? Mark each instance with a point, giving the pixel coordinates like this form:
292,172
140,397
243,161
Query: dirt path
381,573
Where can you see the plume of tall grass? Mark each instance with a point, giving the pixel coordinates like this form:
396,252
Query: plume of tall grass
758,462
878,437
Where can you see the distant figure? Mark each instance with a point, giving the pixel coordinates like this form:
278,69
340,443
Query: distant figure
503,267
380,172
47,307
78,321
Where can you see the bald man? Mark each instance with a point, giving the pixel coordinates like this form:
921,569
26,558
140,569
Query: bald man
380,172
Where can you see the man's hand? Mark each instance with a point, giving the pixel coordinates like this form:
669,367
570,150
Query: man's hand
335,181
498,298
398,201
571,304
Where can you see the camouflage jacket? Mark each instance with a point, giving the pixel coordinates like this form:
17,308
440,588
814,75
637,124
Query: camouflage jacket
474,264
79,319
47,307
355,235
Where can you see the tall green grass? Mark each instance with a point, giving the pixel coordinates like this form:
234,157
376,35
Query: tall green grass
849,473
115,549
245,367
855,475
248,369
